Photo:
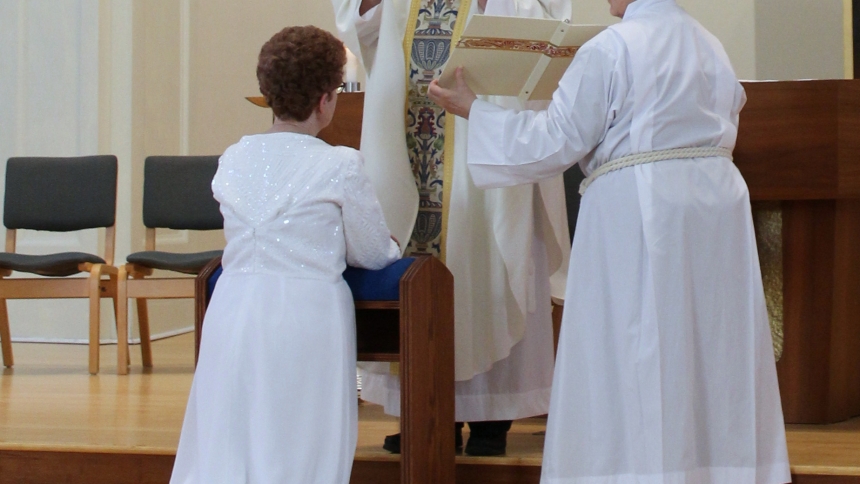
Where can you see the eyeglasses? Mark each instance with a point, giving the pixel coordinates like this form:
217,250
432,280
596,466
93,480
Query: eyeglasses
349,87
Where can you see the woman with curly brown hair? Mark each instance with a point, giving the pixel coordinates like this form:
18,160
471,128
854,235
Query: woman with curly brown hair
273,398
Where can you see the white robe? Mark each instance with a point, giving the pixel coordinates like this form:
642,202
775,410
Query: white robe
494,238
273,397
665,371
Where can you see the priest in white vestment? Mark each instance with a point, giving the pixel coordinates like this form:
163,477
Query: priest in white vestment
665,371
502,246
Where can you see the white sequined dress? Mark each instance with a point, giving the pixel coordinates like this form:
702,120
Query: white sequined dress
274,398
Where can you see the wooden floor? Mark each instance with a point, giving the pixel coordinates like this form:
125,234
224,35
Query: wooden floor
59,424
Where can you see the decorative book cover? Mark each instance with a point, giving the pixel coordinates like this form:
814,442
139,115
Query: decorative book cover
514,56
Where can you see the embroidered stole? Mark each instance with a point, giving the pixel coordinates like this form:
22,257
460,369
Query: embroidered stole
432,30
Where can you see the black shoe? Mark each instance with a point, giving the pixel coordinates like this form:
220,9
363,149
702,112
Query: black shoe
392,442
488,438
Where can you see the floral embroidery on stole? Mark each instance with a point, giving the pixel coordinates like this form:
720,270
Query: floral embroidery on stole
427,48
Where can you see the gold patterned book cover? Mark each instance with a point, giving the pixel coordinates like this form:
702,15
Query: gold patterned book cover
515,56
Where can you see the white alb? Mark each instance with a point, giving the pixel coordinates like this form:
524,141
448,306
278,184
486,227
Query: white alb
274,396
665,371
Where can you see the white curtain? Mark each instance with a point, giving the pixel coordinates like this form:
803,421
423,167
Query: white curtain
49,73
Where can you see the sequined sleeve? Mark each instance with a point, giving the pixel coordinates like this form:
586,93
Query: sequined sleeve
368,240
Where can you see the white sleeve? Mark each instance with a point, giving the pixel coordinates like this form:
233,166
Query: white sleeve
507,148
557,9
368,240
367,26
358,33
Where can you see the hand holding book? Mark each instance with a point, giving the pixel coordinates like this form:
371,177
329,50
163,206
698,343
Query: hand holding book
456,100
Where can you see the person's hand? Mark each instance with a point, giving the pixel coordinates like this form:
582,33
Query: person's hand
482,4
367,5
457,100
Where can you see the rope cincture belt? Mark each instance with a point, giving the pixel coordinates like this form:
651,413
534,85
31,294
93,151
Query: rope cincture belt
654,156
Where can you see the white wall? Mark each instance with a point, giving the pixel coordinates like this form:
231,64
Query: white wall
733,22
765,39
49,80
226,38
799,39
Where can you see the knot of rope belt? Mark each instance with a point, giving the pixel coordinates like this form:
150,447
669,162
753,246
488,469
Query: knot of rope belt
653,156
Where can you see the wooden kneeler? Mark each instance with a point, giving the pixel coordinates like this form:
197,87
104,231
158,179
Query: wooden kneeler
404,315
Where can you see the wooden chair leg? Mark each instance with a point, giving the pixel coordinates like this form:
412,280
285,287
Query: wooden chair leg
95,316
143,326
114,281
121,304
115,308
5,335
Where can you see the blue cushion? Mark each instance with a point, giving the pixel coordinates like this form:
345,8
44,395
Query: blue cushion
213,279
381,285
365,284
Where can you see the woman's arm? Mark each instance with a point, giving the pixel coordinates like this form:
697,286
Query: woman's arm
369,243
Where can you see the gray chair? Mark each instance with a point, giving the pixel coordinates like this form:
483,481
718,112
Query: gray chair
59,195
177,194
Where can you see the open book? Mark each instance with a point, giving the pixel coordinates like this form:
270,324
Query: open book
515,56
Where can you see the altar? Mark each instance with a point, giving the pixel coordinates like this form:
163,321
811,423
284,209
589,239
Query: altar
799,152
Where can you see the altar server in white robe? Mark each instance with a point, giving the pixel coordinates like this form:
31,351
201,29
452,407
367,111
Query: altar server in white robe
273,397
502,246
665,371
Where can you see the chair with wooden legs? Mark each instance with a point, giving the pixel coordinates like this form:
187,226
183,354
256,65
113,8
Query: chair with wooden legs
59,195
177,194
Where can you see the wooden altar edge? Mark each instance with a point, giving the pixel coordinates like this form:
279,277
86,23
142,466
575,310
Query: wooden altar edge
798,140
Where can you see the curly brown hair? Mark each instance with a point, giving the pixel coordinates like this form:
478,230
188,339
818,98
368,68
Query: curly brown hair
298,66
